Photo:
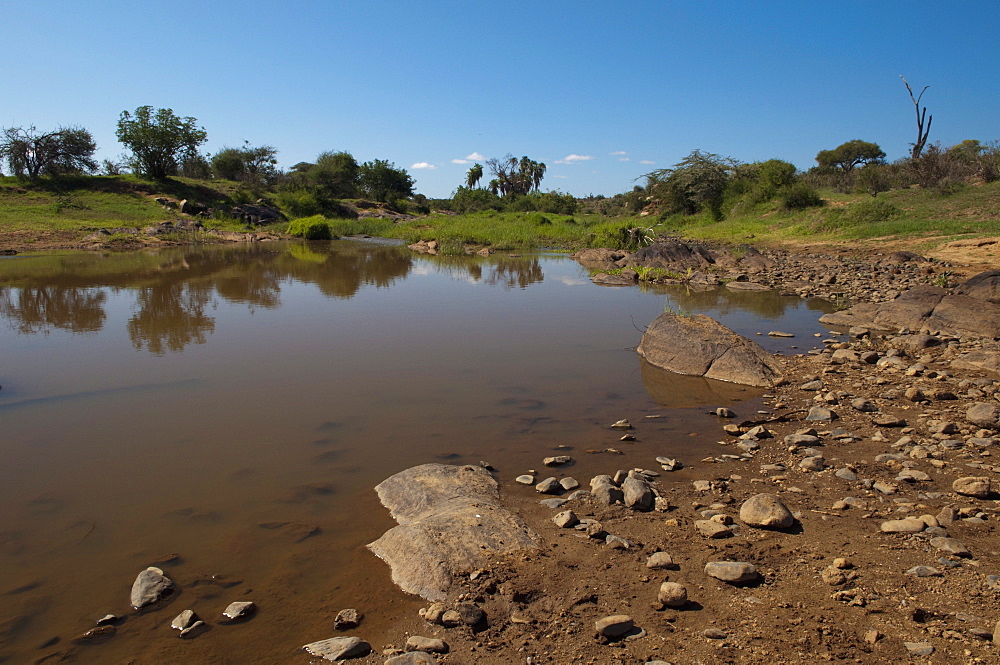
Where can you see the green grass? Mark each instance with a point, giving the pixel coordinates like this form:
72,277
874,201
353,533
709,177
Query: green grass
79,204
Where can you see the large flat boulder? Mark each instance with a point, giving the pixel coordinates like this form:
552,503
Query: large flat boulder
971,310
700,346
450,522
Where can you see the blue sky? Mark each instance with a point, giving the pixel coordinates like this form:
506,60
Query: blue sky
601,92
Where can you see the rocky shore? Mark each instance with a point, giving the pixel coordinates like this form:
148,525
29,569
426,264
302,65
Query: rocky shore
849,514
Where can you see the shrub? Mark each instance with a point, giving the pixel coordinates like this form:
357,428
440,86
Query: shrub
310,228
621,235
799,196
537,218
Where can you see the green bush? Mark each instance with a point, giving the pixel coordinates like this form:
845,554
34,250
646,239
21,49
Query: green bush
299,203
621,235
310,228
799,196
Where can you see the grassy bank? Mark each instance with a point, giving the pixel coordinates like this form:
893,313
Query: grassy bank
80,205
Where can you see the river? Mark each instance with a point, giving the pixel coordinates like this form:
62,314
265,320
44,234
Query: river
224,412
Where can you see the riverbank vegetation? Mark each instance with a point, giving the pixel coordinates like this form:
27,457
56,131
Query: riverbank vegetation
852,193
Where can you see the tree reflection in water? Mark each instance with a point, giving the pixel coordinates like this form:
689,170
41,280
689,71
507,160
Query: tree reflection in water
35,309
171,316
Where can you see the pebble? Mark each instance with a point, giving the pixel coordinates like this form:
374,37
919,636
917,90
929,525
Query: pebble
907,525
347,619
766,511
568,483
548,486
339,648
950,546
615,625
821,414
621,424
660,561
558,460
426,644
672,594
239,610
919,648
184,620
411,658
554,502
712,529
978,487
150,586
525,479
924,571
567,519
734,572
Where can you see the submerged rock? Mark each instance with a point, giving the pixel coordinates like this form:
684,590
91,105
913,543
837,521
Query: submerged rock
450,522
150,586
339,648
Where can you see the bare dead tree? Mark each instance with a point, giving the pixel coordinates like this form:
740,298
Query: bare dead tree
922,130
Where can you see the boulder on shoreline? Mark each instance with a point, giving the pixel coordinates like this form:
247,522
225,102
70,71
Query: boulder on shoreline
971,310
450,521
700,346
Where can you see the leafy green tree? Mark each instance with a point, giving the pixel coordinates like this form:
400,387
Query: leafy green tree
474,175
252,166
335,175
696,183
848,155
513,176
30,153
159,140
467,199
382,181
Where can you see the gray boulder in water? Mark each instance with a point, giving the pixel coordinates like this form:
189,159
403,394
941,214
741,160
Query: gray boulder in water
450,521
700,346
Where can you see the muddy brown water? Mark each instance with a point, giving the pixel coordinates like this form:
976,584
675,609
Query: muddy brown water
224,413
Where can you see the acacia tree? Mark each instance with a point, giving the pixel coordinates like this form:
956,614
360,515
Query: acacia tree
513,176
922,129
695,183
848,155
159,140
30,153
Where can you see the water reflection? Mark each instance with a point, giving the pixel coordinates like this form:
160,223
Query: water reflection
35,309
171,316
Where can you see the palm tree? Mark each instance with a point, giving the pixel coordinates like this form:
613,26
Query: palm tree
474,175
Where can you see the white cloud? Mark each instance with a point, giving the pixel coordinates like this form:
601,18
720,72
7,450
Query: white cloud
475,157
562,177
569,159
422,165
645,161
616,153
624,159
460,161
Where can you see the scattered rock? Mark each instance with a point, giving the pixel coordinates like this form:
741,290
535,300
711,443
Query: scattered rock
548,486
766,511
426,644
149,587
239,611
733,572
558,460
672,594
614,626
347,619
979,487
339,648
